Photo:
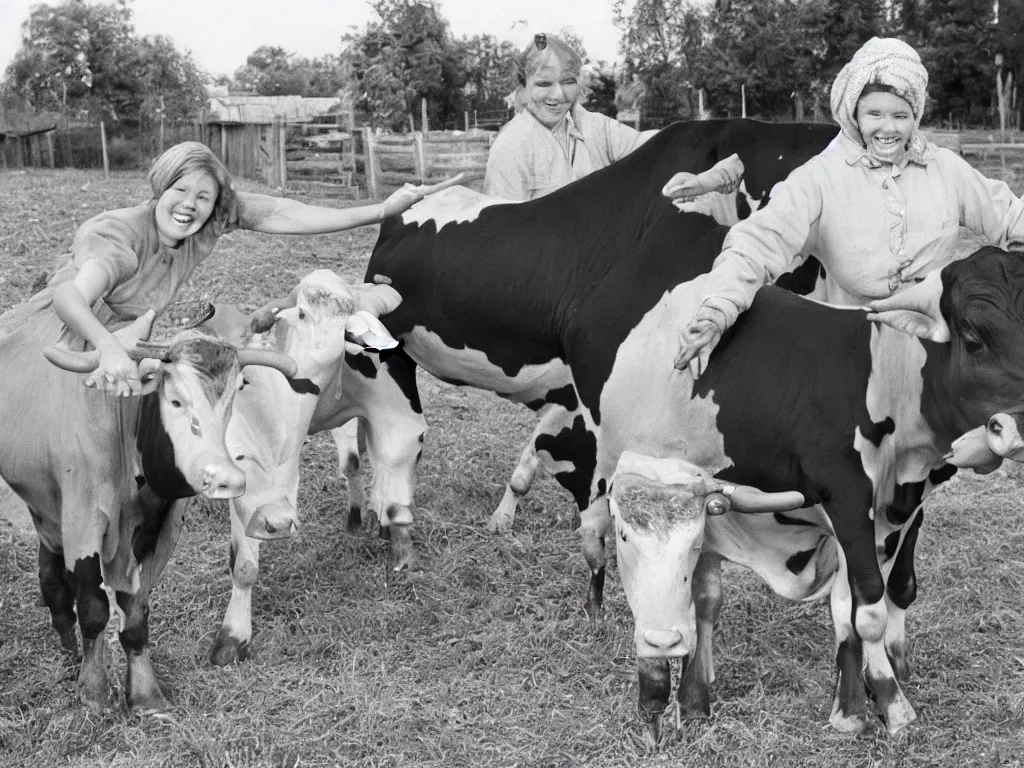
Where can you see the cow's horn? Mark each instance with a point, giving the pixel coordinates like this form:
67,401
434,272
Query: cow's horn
915,310
269,358
76,362
724,176
752,500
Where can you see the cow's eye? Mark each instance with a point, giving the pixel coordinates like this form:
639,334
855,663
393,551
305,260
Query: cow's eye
302,314
176,403
972,340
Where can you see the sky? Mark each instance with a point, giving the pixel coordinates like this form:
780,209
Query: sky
221,33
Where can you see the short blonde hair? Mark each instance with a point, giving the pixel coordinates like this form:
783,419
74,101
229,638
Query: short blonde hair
185,158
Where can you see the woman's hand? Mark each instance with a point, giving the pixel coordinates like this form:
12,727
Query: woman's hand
699,339
117,373
401,200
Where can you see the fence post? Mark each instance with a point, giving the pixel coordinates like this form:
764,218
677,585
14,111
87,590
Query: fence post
423,116
103,143
223,143
743,100
3,150
475,125
49,148
282,131
419,159
371,163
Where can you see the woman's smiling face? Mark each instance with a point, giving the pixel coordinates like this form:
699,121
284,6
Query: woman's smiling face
551,91
185,206
886,123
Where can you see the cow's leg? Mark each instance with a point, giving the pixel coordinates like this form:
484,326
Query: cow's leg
855,532
695,678
58,596
93,614
518,486
655,677
901,591
849,705
153,544
347,439
551,424
232,643
595,521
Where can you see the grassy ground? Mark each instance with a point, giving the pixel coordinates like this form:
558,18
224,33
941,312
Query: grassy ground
482,657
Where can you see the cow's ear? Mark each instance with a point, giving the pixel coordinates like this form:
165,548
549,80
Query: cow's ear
377,299
915,323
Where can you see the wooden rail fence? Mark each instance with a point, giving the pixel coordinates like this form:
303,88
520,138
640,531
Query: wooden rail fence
424,158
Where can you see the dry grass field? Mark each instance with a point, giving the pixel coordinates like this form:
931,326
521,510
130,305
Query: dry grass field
482,656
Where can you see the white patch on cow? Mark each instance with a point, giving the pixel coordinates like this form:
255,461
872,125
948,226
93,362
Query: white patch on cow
646,404
472,367
455,204
753,202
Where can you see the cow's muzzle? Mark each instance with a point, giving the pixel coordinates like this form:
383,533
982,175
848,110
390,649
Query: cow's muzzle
220,480
277,520
661,643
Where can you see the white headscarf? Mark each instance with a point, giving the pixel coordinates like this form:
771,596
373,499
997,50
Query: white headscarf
882,61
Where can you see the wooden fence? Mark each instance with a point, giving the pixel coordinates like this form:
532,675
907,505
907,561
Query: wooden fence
250,150
424,158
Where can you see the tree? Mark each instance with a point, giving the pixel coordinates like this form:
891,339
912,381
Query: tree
169,80
272,71
405,56
77,55
490,68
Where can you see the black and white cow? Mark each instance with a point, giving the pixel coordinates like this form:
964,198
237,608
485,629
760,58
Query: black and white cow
113,520
541,302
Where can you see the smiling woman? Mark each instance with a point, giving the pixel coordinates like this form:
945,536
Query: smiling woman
554,140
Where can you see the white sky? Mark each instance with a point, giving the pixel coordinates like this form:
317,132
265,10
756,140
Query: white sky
221,33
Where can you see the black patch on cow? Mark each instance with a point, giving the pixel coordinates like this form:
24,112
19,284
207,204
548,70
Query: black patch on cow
578,445
796,563
892,542
493,285
153,510
563,396
942,474
402,370
784,519
161,473
902,584
802,279
742,206
91,602
601,487
139,481
906,498
362,365
877,430
304,387
232,554
536,405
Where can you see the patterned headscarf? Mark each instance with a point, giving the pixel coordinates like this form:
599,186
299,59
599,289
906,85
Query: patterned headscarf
882,61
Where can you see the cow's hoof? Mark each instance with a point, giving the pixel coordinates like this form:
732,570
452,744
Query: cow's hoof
93,689
403,555
228,650
695,702
899,715
69,641
848,724
355,519
501,522
149,702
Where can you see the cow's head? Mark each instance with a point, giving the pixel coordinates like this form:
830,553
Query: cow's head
322,319
189,385
659,507
974,309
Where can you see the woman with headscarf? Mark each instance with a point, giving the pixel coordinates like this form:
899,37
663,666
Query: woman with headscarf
553,140
880,207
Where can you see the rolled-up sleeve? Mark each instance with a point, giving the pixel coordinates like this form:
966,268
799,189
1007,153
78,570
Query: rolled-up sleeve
767,244
110,244
987,207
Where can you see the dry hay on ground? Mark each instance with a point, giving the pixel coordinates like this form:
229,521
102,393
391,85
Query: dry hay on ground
483,656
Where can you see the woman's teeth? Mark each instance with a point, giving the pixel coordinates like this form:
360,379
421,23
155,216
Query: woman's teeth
181,219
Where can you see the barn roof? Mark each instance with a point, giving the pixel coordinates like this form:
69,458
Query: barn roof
264,109
29,125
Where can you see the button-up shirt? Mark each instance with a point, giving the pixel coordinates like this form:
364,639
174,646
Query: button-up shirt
875,227
527,160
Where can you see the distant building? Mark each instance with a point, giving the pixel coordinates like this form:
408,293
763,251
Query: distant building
223,108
